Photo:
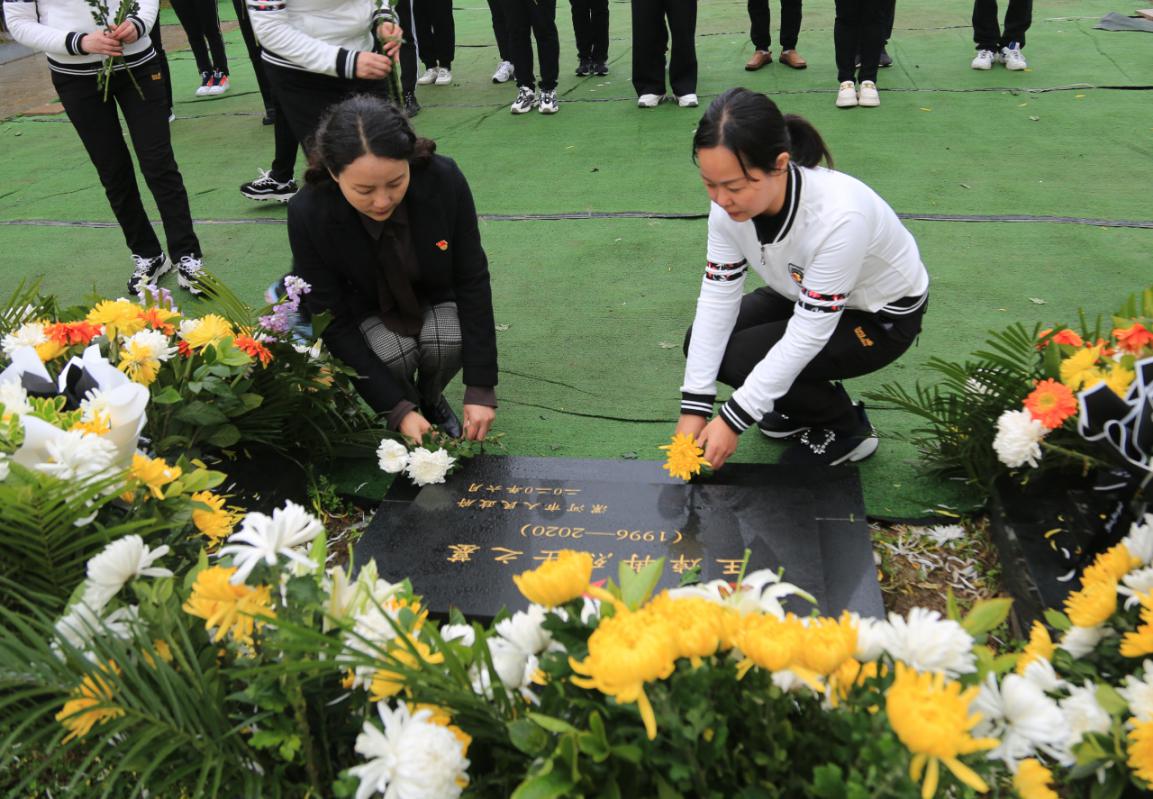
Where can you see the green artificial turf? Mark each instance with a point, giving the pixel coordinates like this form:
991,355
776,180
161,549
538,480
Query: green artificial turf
592,311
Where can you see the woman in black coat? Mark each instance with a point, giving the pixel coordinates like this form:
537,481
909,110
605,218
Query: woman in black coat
386,234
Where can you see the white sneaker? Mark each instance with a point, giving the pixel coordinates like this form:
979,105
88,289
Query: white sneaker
525,100
983,60
1012,59
504,72
868,96
648,101
428,76
443,76
188,271
847,95
548,102
688,101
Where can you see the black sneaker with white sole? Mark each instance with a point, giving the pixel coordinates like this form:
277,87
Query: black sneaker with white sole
145,271
267,188
188,271
775,424
826,446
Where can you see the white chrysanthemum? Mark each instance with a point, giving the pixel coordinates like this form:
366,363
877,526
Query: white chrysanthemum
427,468
927,642
187,327
1138,692
29,334
1080,641
153,342
1139,542
1041,673
83,624
14,398
463,633
760,592
76,455
516,669
871,637
392,456
263,539
411,758
1018,439
1083,715
524,630
1134,584
120,562
1018,712
943,533
372,630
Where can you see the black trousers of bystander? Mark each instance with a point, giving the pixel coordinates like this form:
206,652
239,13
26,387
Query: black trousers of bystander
651,39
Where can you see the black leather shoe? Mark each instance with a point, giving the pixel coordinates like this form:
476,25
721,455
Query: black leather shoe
584,67
443,416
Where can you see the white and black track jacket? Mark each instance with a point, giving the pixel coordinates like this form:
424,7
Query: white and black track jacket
839,246
321,36
55,27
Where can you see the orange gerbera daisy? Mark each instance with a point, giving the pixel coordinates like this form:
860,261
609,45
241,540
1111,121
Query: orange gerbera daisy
1051,403
1133,338
1066,336
254,349
68,333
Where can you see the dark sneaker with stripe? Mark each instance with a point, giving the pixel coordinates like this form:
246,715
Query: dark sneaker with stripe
825,446
146,270
188,271
266,188
775,424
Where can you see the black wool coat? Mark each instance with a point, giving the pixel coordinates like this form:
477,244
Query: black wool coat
333,252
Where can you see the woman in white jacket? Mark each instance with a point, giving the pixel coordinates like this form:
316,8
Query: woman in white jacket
78,49
316,53
845,290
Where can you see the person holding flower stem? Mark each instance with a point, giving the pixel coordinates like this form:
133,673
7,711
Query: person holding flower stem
91,59
845,289
386,234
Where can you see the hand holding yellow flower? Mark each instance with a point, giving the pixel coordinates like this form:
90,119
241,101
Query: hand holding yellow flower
685,457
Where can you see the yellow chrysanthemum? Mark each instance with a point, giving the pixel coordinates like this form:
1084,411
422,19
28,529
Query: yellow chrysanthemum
1111,565
208,329
50,350
153,473
138,360
119,317
1140,642
685,458
163,651
697,624
827,644
769,643
557,581
229,608
1040,647
90,704
215,524
98,425
1140,745
1081,367
1118,379
931,718
1093,604
626,651
387,683
1032,780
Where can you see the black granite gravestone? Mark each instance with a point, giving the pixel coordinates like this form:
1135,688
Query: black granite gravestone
461,542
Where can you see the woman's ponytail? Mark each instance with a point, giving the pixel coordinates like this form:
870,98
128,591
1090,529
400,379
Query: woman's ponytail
806,147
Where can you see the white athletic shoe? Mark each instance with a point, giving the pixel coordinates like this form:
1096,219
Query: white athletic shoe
868,96
504,73
443,76
548,102
983,60
428,76
648,101
847,95
1012,59
525,100
688,101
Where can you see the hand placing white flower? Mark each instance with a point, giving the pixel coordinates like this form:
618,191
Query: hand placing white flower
1018,439
427,468
392,456
411,758
121,561
264,539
